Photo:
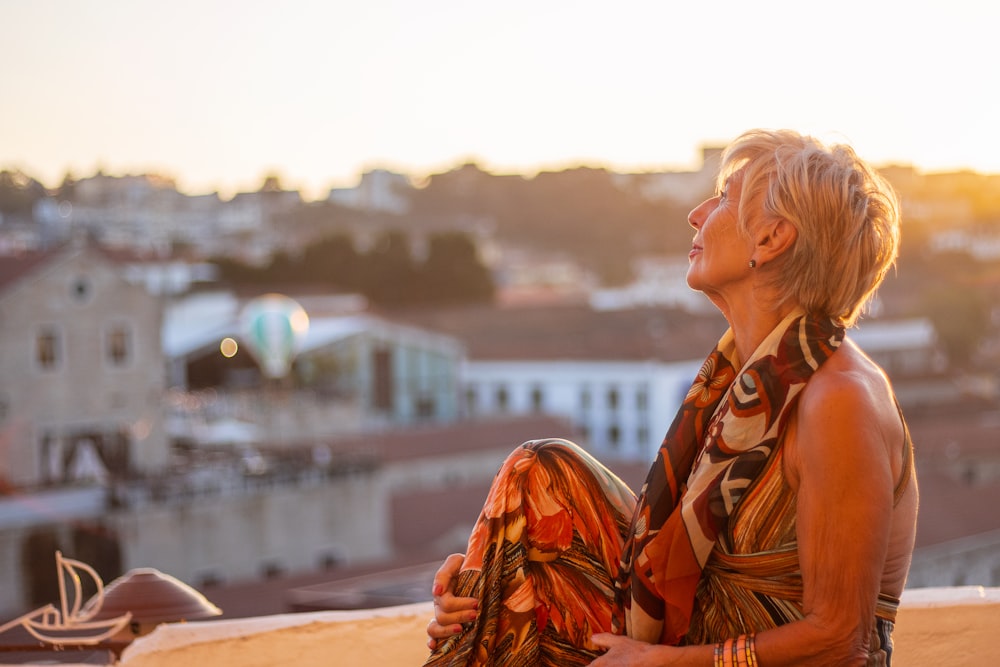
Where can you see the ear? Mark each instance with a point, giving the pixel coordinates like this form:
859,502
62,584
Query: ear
773,238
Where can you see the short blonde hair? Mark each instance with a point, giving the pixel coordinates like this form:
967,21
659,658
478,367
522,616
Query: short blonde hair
846,215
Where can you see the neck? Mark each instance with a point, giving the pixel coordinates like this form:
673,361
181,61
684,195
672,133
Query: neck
752,324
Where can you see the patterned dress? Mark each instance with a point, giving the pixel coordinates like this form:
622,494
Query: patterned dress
563,549
542,560
753,581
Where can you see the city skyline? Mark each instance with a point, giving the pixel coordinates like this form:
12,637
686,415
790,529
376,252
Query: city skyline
217,95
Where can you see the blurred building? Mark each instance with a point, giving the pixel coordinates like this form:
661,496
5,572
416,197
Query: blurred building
353,371
379,190
236,478
81,370
659,282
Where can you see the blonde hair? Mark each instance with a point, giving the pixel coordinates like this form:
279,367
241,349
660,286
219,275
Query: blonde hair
845,213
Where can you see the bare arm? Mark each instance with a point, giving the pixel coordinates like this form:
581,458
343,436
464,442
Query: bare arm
839,456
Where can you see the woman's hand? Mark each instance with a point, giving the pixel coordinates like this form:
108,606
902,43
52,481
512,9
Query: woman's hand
450,612
622,651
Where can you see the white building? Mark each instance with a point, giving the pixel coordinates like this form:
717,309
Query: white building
659,281
379,190
146,212
621,408
352,371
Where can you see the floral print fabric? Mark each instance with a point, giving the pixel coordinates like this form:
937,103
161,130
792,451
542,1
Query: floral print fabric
542,560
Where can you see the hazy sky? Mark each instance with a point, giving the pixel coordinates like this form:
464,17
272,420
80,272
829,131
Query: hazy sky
217,94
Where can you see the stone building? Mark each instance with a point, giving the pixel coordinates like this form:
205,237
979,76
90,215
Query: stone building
81,370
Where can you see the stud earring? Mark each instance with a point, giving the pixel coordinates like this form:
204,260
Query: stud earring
753,263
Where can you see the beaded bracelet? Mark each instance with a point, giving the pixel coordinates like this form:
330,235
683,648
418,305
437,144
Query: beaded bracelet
739,652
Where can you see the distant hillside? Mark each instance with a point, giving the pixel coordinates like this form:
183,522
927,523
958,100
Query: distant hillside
593,215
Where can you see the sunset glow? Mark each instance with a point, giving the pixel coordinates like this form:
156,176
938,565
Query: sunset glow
218,94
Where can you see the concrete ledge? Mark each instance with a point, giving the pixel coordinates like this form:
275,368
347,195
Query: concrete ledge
945,627
387,637
937,627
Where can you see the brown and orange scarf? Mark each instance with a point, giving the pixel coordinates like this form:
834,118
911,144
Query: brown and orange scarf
716,446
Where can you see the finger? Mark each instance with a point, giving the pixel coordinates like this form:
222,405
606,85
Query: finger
455,611
445,576
451,604
448,608
437,632
606,640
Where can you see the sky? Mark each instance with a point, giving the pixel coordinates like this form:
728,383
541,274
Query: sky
218,94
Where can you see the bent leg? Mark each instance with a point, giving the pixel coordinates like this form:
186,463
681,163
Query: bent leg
542,559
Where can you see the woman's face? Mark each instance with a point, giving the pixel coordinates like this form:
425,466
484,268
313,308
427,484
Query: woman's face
719,253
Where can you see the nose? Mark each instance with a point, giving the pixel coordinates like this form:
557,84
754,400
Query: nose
698,214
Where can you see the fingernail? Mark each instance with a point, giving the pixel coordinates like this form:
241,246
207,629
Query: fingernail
471,616
437,589
457,629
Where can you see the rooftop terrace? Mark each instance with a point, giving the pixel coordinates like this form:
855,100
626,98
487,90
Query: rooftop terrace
936,627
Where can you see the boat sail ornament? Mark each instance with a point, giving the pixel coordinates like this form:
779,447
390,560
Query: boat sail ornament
72,623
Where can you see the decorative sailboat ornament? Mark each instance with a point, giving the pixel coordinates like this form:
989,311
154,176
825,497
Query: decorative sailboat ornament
71,623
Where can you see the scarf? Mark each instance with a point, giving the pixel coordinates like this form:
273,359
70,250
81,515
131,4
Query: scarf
718,443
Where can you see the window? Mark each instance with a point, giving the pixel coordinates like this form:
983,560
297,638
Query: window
585,398
272,569
118,345
471,399
47,348
383,388
80,289
424,407
503,398
328,561
642,398
614,436
613,398
537,399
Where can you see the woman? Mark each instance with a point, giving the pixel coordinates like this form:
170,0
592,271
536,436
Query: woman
777,523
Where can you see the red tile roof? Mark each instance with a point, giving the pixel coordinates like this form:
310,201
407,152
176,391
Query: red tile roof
421,441
15,267
572,332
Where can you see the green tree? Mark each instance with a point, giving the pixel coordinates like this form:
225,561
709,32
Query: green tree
67,190
592,215
453,273
334,261
389,273
284,269
18,194
957,306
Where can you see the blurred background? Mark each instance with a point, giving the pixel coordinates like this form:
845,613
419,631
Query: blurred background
282,283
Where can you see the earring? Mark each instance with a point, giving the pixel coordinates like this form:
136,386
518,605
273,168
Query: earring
753,263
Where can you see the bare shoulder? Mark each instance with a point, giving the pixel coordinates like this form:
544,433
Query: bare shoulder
847,411
850,382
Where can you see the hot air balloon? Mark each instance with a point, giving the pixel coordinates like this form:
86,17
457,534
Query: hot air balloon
274,327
